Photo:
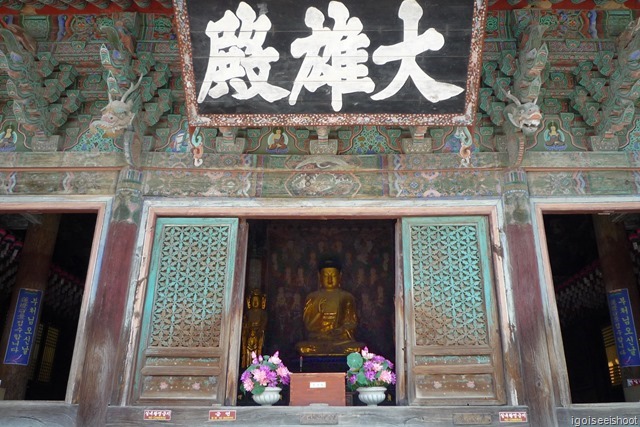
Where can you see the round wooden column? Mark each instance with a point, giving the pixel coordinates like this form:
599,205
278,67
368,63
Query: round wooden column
614,251
107,312
529,306
33,273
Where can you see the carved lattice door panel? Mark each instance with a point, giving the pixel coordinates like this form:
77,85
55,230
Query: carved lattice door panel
453,346
184,338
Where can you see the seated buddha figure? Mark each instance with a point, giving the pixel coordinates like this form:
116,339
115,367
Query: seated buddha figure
329,317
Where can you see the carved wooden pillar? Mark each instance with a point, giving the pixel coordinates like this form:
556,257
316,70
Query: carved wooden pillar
33,273
530,313
107,311
617,272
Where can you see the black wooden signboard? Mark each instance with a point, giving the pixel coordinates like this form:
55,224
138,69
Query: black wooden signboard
327,62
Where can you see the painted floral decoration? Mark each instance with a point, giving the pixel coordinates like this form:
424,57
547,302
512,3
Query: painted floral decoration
264,371
369,370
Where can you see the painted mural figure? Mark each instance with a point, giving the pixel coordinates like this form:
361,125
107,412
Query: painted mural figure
236,54
413,44
553,136
277,141
8,138
334,57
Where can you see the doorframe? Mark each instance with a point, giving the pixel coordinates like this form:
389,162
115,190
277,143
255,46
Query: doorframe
102,207
578,205
334,209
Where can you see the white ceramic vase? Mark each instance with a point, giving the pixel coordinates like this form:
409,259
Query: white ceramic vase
268,397
371,395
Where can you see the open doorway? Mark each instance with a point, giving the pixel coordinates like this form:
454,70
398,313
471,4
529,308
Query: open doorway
282,264
53,345
589,345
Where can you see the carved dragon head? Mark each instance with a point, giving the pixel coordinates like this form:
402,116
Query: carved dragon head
118,114
526,117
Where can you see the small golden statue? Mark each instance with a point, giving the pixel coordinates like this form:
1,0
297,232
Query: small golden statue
329,317
254,323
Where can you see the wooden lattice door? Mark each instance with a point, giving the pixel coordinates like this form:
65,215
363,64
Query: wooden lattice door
185,330
453,347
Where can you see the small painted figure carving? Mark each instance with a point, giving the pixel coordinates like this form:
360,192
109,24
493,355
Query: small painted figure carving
553,137
8,138
277,140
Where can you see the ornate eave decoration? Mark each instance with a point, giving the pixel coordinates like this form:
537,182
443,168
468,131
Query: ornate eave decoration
464,117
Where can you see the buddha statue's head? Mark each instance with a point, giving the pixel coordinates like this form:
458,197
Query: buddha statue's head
330,278
330,274
256,300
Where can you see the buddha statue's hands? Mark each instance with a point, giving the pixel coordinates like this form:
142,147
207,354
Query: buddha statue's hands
321,304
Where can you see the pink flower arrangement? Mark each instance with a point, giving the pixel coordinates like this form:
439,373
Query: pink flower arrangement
264,371
369,370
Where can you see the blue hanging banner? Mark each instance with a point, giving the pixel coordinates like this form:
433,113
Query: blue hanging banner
23,328
624,328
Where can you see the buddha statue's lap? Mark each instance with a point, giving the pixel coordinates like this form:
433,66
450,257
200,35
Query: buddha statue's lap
329,318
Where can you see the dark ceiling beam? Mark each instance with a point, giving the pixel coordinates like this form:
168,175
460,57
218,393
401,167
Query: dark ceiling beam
58,4
562,4
54,7
47,7
102,4
12,4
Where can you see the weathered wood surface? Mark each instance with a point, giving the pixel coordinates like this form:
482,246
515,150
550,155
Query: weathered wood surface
58,182
370,176
319,415
66,160
176,161
399,303
54,414
37,414
530,324
234,318
105,325
581,160
530,329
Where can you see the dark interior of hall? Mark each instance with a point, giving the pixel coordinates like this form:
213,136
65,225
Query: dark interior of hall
282,262
589,344
52,351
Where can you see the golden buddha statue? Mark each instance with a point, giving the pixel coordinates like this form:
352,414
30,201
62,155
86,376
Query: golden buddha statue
329,317
254,323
